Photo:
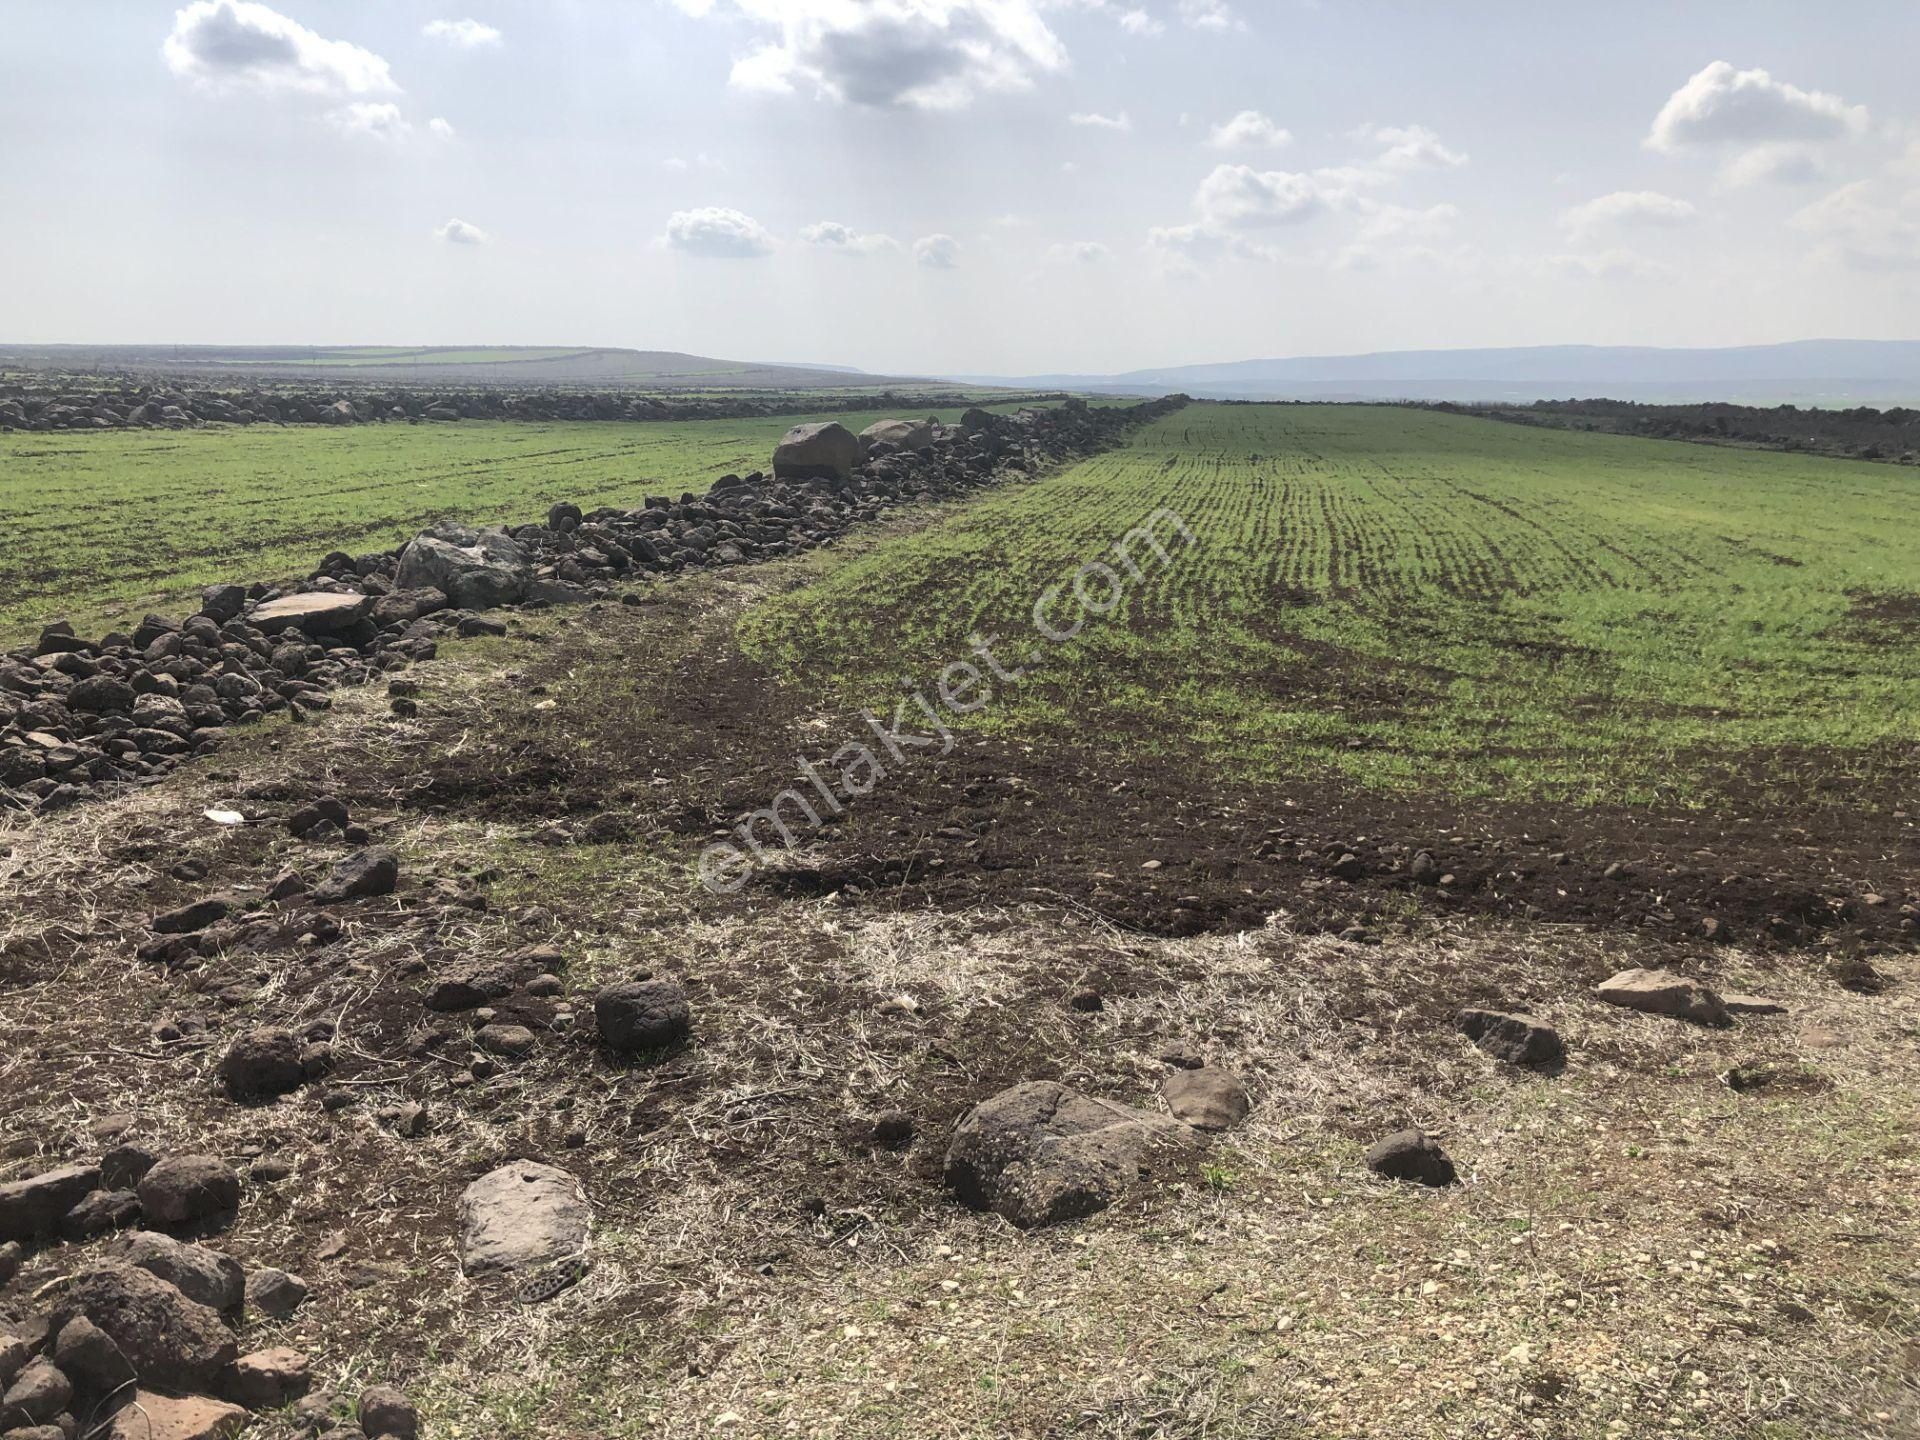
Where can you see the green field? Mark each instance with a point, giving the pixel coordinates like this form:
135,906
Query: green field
104,527
1420,600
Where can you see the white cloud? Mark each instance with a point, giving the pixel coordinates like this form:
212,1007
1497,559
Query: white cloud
1248,128
463,34
237,44
1210,15
937,252
1241,197
1871,225
1724,106
1627,208
1079,252
442,129
1139,22
1607,265
1779,164
716,231
830,235
1095,121
1411,147
917,54
372,119
459,232
1400,234
1187,249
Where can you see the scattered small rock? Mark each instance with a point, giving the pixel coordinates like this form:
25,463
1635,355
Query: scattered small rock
362,875
1515,1038
1411,1155
891,1130
275,1293
637,1016
1207,1098
1662,992
269,1379
384,1411
1039,1152
262,1063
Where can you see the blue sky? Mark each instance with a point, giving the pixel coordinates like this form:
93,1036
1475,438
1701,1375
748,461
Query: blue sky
958,185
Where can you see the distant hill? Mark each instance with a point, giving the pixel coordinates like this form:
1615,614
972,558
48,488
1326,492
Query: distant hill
1804,372
517,365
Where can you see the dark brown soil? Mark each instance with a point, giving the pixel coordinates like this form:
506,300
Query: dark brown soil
697,736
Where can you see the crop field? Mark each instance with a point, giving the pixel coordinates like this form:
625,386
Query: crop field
104,527
1421,601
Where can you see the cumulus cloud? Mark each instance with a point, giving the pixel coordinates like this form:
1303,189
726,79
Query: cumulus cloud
371,119
1236,202
442,129
1627,208
1241,197
1724,106
1096,121
1248,129
1411,147
1078,252
916,54
1210,15
238,44
716,231
830,235
459,232
1139,22
937,252
462,34
1870,225
1784,164
1400,235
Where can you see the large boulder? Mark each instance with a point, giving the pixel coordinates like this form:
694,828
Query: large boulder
34,1206
903,434
474,569
827,451
173,1343
187,1189
523,1216
149,1416
202,1275
636,1016
1662,992
1040,1152
313,612
263,1062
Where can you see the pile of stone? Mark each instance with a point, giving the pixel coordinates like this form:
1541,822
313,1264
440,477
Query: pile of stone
139,1340
79,714
66,403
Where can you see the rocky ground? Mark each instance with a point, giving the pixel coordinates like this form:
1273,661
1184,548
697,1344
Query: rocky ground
389,1064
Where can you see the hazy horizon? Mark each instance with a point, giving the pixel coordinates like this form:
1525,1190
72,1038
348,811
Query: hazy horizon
957,186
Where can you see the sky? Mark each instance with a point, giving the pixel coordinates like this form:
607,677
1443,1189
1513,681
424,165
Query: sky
958,186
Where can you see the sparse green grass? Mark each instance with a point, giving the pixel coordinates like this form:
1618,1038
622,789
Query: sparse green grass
1420,600
104,527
